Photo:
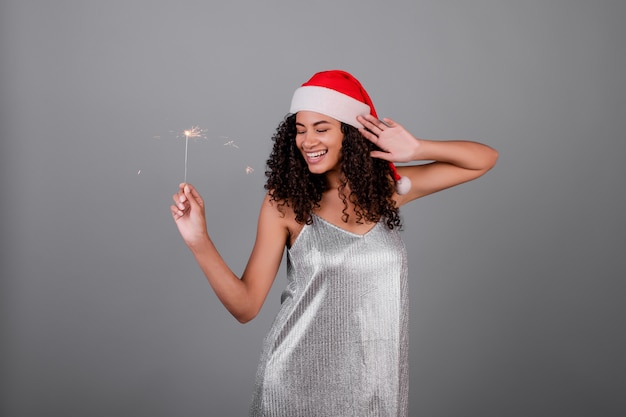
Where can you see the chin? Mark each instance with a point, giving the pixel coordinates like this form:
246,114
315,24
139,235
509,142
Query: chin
318,171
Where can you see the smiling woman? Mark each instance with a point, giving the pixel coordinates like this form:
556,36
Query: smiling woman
319,138
339,344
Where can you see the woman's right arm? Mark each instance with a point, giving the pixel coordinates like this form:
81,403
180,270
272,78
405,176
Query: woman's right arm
244,297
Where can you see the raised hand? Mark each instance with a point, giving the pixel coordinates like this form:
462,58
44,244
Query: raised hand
397,143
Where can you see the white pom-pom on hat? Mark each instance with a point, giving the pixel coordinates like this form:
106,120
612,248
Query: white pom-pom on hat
403,185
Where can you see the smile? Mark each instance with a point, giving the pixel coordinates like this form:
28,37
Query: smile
313,155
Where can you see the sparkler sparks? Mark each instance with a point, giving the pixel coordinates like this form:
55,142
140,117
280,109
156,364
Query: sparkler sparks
249,170
195,132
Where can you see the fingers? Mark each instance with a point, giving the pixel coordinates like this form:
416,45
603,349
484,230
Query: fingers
182,203
186,201
372,124
381,155
180,200
389,122
176,212
368,131
368,135
193,196
190,190
179,209
375,125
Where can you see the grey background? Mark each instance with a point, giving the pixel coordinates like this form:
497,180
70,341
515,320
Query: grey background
517,287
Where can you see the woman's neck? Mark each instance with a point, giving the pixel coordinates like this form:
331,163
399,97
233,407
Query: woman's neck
333,180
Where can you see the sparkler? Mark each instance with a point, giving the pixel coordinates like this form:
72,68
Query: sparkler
194,132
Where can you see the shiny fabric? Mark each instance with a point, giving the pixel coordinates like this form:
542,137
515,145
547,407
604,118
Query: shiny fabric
339,344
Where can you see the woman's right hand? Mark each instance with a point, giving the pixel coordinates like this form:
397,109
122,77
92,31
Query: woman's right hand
188,213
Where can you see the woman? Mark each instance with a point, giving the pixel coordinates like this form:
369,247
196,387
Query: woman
339,344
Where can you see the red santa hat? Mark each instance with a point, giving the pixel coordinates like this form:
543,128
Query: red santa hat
339,95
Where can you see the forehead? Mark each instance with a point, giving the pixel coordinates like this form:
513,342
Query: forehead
306,117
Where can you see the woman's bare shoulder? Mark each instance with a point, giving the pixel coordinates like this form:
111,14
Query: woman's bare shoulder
282,215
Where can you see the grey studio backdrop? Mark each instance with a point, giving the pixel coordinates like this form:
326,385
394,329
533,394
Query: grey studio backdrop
517,279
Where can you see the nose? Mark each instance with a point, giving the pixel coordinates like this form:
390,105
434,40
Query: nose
309,140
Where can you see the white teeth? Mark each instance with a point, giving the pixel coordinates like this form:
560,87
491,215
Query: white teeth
316,154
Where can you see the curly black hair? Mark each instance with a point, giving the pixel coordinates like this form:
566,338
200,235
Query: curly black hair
370,181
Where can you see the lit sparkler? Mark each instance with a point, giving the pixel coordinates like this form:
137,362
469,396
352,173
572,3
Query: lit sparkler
194,133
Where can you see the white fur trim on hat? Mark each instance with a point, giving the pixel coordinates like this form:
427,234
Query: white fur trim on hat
329,102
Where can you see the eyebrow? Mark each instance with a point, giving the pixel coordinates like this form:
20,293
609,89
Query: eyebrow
314,124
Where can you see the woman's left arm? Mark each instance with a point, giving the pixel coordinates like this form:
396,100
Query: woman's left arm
452,162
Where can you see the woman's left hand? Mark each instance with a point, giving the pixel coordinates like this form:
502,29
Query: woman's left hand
397,143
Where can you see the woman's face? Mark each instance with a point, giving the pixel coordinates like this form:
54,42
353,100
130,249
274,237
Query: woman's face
319,138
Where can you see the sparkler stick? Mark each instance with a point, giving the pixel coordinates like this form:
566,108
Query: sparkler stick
194,132
186,148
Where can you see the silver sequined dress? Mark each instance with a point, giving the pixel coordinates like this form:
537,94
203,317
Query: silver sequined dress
339,344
